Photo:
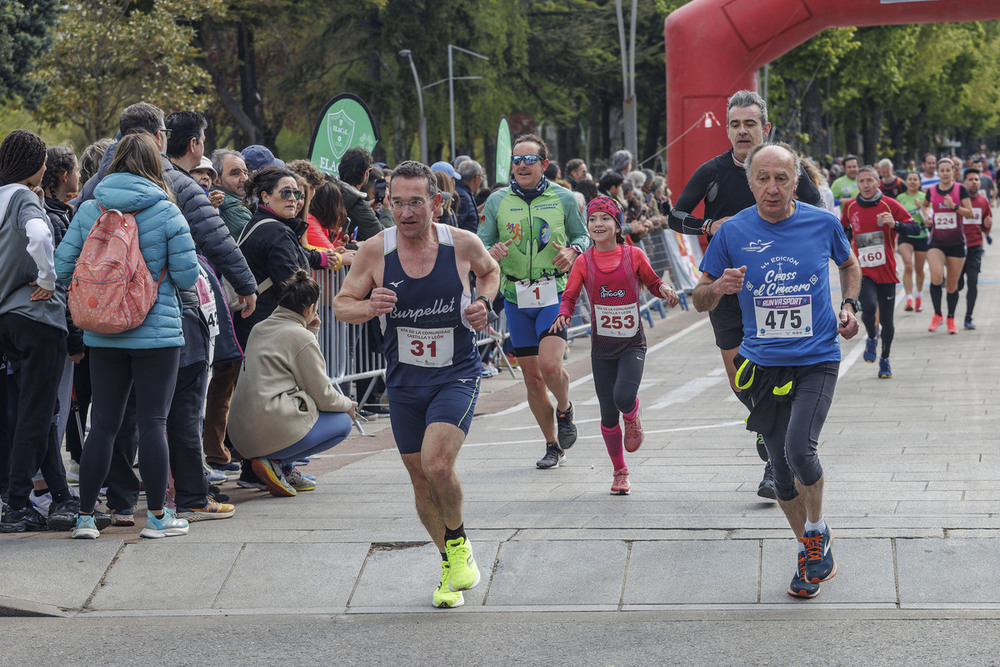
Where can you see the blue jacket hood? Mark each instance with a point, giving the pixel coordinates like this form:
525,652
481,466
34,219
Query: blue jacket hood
127,192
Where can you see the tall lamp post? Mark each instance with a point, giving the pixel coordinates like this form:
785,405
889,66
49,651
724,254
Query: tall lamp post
406,53
451,87
629,111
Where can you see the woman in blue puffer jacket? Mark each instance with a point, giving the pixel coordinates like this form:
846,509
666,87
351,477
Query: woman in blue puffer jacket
146,356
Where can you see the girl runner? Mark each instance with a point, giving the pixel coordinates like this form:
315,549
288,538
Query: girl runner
946,255
611,271
913,249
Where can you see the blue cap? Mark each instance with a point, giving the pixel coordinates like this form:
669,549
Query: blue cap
257,157
446,168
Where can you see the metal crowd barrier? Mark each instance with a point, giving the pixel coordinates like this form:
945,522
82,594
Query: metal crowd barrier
353,351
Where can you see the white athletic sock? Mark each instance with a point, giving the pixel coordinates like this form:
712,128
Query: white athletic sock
819,526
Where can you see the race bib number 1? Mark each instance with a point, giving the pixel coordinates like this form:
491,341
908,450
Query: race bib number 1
536,293
430,348
617,321
783,316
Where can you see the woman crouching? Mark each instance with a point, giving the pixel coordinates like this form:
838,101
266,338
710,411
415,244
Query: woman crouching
285,408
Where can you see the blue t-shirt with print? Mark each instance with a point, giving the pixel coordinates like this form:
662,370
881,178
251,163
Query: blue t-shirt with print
788,315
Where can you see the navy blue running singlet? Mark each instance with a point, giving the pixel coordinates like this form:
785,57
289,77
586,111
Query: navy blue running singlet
427,338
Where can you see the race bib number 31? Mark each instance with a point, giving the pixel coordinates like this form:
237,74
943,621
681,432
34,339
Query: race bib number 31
430,348
617,321
783,316
536,293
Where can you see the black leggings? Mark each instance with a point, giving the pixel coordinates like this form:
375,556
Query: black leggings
970,278
882,295
112,374
617,383
794,439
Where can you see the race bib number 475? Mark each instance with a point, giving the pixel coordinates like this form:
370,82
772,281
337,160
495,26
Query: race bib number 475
783,316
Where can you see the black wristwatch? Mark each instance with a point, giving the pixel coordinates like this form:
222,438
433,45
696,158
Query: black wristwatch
852,302
486,301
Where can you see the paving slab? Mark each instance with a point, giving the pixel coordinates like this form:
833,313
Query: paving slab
584,572
692,572
404,578
63,573
166,575
865,573
297,576
947,571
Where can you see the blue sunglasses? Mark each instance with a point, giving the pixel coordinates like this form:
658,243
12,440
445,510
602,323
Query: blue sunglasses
527,159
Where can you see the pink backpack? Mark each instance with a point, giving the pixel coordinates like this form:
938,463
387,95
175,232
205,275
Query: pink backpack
112,289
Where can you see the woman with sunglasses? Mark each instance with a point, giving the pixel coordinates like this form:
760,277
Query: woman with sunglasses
270,242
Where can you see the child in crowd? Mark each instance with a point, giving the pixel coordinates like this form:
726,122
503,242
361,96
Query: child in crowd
611,271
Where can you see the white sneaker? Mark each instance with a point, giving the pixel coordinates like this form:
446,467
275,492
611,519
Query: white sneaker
41,503
166,526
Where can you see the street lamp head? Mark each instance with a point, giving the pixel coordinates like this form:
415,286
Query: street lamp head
404,52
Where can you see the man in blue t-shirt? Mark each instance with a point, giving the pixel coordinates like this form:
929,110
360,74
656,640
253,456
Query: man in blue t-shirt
776,260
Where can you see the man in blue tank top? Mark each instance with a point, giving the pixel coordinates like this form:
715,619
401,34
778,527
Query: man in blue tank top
415,278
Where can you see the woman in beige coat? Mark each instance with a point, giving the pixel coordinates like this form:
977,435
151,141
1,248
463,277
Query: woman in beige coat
284,407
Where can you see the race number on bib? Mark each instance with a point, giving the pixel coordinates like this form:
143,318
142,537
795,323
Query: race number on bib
536,293
783,316
945,220
206,303
976,219
871,249
617,321
430,348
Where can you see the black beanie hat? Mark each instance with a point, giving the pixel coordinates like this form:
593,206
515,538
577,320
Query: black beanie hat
22,153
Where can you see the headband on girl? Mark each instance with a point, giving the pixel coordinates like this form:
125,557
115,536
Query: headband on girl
605,205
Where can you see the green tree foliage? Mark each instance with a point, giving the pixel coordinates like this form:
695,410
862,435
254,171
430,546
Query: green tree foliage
108,54
25,34
894,91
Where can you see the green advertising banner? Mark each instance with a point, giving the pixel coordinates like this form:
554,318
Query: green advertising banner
503,152
344,123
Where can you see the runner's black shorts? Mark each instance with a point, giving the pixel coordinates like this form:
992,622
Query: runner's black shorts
955,250
920,244
727,322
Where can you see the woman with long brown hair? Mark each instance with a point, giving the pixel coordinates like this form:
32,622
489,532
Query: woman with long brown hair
146,356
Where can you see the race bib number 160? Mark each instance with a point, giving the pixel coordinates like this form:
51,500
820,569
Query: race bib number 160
783,316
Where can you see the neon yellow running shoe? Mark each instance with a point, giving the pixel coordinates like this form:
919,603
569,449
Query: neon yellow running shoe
444,597
464,573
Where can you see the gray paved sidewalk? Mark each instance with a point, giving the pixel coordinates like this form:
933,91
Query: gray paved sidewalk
913,495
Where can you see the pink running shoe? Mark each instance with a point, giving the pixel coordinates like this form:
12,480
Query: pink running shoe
620,485
633,433
935,322
918,306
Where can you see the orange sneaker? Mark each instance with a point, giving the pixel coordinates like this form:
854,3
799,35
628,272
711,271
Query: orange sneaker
909,304
918,306
952,329
935,322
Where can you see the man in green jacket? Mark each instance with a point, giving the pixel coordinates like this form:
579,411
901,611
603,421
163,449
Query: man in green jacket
534,229
232,174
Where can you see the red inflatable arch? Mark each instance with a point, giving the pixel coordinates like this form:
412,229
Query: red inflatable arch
715,47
